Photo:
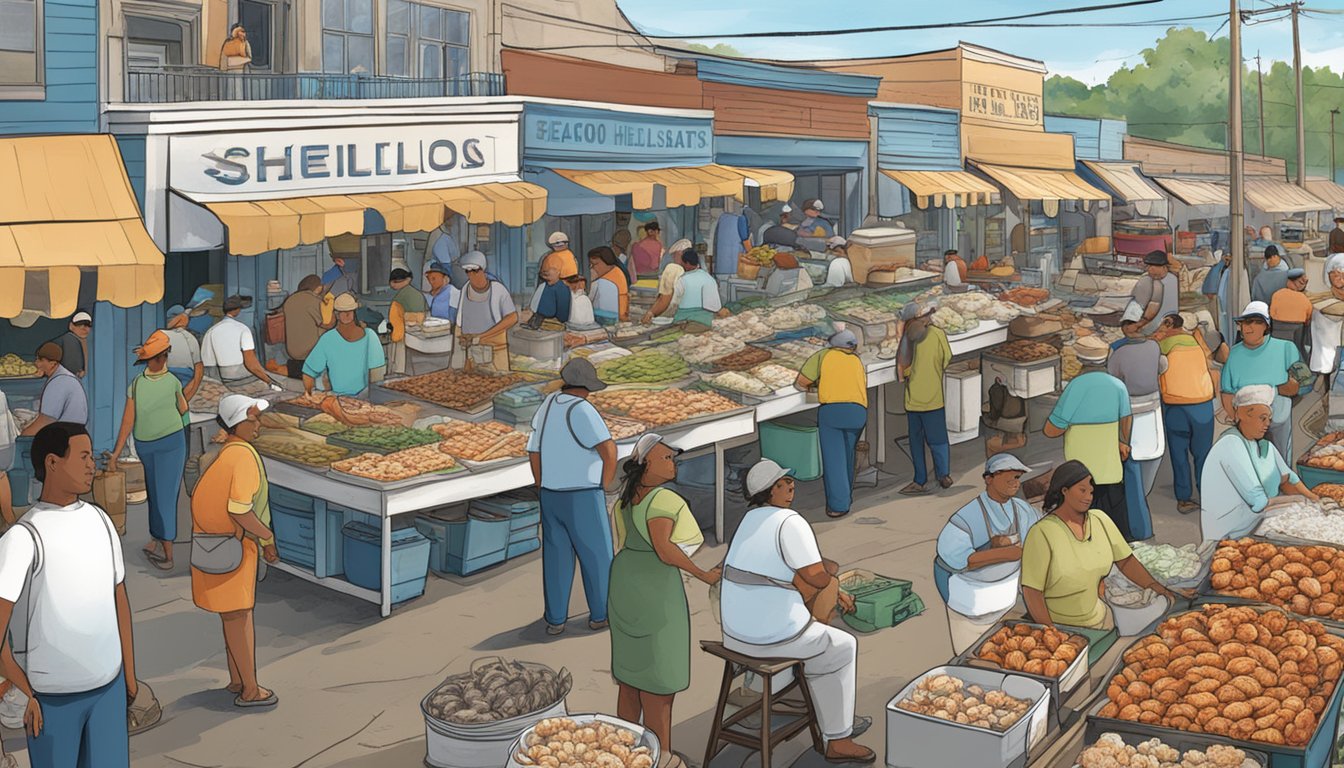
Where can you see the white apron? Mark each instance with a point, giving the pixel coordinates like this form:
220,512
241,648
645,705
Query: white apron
986,594
1326,337
1147,436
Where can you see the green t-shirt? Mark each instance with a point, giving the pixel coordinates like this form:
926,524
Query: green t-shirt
155,398
924,383
1068,571
411,300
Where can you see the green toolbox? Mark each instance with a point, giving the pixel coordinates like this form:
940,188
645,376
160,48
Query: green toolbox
879,601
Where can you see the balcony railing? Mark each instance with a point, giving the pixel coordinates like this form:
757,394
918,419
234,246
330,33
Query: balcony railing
198,84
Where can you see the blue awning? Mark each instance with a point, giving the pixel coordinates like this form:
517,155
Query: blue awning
565,198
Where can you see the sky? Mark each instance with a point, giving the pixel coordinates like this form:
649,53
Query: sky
1088,54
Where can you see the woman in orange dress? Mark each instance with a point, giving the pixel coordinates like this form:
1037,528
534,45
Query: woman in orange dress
231,499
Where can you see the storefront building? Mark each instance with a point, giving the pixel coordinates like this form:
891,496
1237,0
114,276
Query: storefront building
249,203
921,182
1002,140
1138,216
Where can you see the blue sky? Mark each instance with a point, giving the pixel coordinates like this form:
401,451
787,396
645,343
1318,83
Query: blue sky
1088,54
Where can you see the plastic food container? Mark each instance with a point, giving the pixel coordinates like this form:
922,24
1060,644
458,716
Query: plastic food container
1137,620
920,741
1183,742
646,737
1075,675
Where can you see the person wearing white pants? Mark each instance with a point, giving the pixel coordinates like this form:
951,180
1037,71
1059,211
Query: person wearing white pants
764,615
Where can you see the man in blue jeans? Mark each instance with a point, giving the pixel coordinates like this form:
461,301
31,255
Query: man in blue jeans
573,459
69,649
921,361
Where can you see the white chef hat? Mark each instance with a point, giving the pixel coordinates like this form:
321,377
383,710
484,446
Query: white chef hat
1253,394
1335,263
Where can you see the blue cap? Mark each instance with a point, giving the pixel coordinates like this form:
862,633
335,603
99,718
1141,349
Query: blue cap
174,311
439,267
1296,272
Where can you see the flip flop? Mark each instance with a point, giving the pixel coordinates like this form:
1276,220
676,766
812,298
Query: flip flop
914,489
143,713
835,515
270,701
157,562
151,554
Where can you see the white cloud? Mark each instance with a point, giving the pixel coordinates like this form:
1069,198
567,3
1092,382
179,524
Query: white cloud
1094,72
1330,57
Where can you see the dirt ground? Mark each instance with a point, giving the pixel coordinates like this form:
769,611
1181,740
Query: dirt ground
350,683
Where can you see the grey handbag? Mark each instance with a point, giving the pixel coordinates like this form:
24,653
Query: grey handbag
216,553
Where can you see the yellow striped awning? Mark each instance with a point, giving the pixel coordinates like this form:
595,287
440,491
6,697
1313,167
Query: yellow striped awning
684,186
267,225
66,204
945,189
1192,191
1042,184
1328,191
1125,181
1274,195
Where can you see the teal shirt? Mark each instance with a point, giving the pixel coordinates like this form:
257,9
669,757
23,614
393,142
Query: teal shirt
346,363
1265,364
1092,398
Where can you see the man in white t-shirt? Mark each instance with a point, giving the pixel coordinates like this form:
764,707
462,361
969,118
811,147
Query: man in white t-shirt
764,615
228,349
71,632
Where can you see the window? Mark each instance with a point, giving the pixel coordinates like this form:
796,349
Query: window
20,51
154,43
428,42
347,36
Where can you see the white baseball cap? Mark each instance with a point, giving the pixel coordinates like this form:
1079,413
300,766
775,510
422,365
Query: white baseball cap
1255,309
555,238
82,317
646,444
233,408
764,475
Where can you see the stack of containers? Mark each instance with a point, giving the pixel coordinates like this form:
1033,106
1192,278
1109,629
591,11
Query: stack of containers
293,521
362,547
524,513
517,406
464,541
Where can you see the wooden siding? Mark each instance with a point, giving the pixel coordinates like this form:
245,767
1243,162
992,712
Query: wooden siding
558,77
932,79
71,63
1161,158
917,139
747,111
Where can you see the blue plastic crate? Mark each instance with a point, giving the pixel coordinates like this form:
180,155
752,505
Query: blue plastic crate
464,545
363,559
520,548
523,510
291,499
525,534
295,535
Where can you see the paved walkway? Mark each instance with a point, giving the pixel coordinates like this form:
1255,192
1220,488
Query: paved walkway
350,684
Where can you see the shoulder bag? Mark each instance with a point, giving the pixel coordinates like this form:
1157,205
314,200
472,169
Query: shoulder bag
216,553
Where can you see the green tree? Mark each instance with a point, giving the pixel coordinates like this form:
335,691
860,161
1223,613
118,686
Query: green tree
718,49
1179,93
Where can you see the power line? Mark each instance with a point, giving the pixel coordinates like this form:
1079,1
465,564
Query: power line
860,30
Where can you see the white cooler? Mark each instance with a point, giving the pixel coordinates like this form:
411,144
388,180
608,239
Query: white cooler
880,245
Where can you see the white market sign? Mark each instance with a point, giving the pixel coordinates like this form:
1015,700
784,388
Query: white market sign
263,165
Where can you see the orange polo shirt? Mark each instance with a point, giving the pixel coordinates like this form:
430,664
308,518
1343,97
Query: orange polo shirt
1290,306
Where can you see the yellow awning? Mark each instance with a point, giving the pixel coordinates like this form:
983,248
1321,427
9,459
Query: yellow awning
945,189
1328,191
1195,191
268,225
1274,195
1125,181
684,186
66,203
1041,184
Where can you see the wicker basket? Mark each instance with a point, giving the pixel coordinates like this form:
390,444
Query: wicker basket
748,270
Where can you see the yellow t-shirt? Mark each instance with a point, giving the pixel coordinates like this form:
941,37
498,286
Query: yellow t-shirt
840,377
1097,446
1069,571
924,381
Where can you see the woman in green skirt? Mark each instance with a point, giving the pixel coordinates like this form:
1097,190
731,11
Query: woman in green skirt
650,620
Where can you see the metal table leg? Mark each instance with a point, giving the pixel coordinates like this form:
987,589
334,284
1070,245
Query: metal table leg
386,591
880,455
719,491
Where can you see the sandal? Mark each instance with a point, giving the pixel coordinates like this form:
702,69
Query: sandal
143,713
835,515
914,489
151,553
157,561
269,701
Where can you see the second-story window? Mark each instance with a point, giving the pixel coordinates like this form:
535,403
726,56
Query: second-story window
20,42
425,41
347,36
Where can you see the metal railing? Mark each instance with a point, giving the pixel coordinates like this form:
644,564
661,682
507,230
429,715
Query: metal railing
162,86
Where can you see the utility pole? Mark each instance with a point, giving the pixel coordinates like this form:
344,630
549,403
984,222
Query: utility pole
1236,168
1297,76
1333,172
1260,84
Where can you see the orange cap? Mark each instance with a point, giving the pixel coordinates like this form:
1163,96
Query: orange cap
155,345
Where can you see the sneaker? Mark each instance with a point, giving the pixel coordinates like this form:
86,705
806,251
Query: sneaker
598,626
1186,507
555,629
12,707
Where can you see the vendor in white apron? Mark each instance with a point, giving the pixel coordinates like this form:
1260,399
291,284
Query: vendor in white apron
1328,321
1138,362
980,553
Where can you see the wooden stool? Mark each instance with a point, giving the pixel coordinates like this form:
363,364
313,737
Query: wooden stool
803,713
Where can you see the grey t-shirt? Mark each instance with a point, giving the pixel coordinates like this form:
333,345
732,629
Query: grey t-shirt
186,350
72,352
478,312
1137,364
1167,293
63,398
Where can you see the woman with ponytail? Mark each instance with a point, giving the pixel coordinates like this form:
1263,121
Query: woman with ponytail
656,534
1070,551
